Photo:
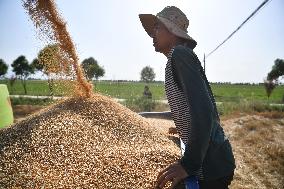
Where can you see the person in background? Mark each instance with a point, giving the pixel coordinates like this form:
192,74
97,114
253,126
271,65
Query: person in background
147,93
207,160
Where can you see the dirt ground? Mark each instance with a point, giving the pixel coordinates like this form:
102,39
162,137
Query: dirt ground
257,141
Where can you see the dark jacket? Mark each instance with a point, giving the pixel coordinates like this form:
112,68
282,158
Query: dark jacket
209,148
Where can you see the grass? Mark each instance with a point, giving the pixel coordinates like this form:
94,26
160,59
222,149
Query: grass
236,93
123,90
31,101
142,104
247,106
128,90
234,98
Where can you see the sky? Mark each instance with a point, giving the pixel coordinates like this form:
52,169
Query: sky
110,31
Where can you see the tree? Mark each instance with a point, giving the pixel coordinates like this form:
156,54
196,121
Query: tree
22,69
277,70
12,81
272,77
269,86
36,65
49,62
92,69
99,72
88,66
147,74
3,68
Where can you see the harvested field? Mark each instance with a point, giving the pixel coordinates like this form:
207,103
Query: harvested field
258,143
83,143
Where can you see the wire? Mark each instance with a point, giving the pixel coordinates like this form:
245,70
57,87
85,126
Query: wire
238,28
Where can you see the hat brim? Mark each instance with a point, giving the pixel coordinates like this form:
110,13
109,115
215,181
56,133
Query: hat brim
148,22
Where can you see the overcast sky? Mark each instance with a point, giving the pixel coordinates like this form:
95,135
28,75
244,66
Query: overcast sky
110,31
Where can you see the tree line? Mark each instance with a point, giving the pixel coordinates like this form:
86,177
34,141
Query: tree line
48,62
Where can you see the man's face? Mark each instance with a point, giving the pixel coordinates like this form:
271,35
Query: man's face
162,38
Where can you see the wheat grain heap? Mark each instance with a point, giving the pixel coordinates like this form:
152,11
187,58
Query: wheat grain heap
83,143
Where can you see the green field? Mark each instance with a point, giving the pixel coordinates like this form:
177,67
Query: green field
127,90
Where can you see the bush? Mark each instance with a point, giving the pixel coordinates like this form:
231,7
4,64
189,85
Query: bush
245,106
31,101
140,104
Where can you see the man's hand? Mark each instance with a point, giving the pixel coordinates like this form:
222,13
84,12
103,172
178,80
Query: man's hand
172,130
174,173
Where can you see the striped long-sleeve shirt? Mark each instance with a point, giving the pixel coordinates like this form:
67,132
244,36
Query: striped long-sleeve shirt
179,108
195,115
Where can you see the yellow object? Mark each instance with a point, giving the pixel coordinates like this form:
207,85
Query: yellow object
6,112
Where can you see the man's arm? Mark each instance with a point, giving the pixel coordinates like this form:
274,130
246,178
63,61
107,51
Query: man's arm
187,74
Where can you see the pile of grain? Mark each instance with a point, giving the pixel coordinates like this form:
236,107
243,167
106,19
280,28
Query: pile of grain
83,143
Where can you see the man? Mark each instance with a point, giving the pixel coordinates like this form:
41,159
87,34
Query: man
208,156
147,93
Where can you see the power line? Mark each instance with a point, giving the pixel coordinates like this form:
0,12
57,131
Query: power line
238,28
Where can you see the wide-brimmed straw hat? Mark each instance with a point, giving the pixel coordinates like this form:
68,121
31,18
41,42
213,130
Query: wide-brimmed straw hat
174,20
